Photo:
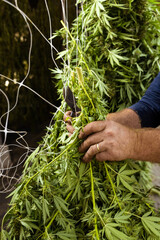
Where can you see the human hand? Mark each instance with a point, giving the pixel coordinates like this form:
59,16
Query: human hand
68,120
107,141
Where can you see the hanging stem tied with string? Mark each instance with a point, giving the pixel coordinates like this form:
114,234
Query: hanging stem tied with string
110,58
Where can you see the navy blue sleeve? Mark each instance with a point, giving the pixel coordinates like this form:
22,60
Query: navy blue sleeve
148,108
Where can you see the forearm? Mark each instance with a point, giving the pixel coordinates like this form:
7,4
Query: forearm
146,147
127,117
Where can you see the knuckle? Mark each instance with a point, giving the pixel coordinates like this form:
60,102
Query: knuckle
90,152
92,149
88,141
91,126
109,132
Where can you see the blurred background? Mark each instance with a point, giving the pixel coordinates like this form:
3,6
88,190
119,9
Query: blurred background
31,113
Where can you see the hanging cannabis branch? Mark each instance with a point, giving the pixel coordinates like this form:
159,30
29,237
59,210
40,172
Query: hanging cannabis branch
60,197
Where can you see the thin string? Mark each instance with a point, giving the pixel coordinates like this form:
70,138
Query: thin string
22,13
4,171
77,38
8,178
50,29
45,100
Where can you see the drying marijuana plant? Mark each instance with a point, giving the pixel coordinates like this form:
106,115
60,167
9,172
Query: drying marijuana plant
60,197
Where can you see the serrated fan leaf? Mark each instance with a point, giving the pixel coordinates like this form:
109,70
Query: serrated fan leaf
60,204
28,223
108,234
129,172
122,168
45,209
120,235
154,219
126,185
151,226
66,236
122,217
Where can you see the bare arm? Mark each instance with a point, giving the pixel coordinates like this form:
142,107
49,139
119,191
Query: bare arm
127,117
147,146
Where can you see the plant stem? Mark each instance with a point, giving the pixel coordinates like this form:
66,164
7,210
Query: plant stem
76,45
112,184
81,80
54,216
111,168
93,200
49,224
41,170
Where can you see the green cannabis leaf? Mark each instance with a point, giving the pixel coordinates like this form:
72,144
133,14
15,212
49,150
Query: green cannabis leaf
110,66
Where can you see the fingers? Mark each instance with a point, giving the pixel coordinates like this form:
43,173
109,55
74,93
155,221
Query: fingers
70,128
102,156
92,127
91,140
92,151
67,117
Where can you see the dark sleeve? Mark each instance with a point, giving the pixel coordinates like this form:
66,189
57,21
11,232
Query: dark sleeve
148,108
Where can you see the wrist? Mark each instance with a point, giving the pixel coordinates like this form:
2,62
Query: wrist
140,146
126,117
134,144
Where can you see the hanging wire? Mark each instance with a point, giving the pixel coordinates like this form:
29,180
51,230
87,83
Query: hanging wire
21,142
50,29
77,38
22,13
8,170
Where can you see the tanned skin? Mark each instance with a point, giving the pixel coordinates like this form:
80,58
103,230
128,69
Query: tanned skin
119,137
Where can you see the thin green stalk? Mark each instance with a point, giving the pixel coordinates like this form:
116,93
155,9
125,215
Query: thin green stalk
135,215
54,216
2,224
112,184
111,168
81,80
39,173
101,219
76,45
41,170
49,224
94,203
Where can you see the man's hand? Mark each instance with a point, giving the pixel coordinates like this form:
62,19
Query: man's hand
126,117
107,141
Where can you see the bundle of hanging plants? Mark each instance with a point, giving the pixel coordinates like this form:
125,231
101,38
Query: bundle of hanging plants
109,67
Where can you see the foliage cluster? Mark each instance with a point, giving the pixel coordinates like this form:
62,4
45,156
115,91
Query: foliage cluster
59,196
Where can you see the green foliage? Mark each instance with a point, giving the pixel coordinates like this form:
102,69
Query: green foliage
59,197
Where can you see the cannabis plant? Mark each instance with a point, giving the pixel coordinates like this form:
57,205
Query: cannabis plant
107,68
